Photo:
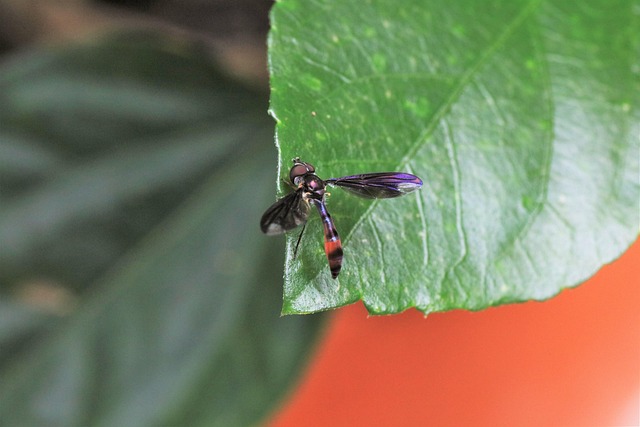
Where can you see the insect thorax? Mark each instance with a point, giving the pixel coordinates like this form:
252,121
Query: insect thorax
313,186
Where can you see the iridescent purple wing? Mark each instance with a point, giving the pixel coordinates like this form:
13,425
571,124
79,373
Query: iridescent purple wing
285,214
380,185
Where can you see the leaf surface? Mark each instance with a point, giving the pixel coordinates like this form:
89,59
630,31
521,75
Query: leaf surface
521,117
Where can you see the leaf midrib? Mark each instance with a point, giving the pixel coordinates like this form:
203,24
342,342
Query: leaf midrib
455,94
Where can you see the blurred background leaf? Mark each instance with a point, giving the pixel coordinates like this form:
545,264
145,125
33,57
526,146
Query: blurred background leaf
133,177
521,117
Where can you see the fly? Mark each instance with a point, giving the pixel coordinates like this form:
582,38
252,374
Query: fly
293,209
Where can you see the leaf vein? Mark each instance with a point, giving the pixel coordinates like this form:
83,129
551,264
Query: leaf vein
380,250
455,172
545,172
466,78
423,234
453,97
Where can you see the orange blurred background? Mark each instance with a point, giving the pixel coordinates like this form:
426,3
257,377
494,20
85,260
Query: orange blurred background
573,360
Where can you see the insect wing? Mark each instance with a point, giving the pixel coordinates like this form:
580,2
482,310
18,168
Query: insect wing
380,185
285,214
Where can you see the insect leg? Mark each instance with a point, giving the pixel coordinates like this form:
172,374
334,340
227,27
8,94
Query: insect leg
295,251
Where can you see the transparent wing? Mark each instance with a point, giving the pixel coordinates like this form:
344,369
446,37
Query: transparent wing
380,185
285,214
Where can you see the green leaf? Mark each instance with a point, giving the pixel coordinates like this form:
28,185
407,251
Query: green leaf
521,117
133,176
96,147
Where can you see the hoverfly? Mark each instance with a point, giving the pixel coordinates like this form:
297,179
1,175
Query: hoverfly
293,209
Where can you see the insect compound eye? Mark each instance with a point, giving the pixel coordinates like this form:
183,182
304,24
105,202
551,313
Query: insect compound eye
297,171
300,169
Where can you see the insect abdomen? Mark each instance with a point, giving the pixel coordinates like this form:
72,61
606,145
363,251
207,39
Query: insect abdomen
332,244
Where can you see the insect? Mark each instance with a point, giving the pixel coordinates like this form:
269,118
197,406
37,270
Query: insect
293,209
